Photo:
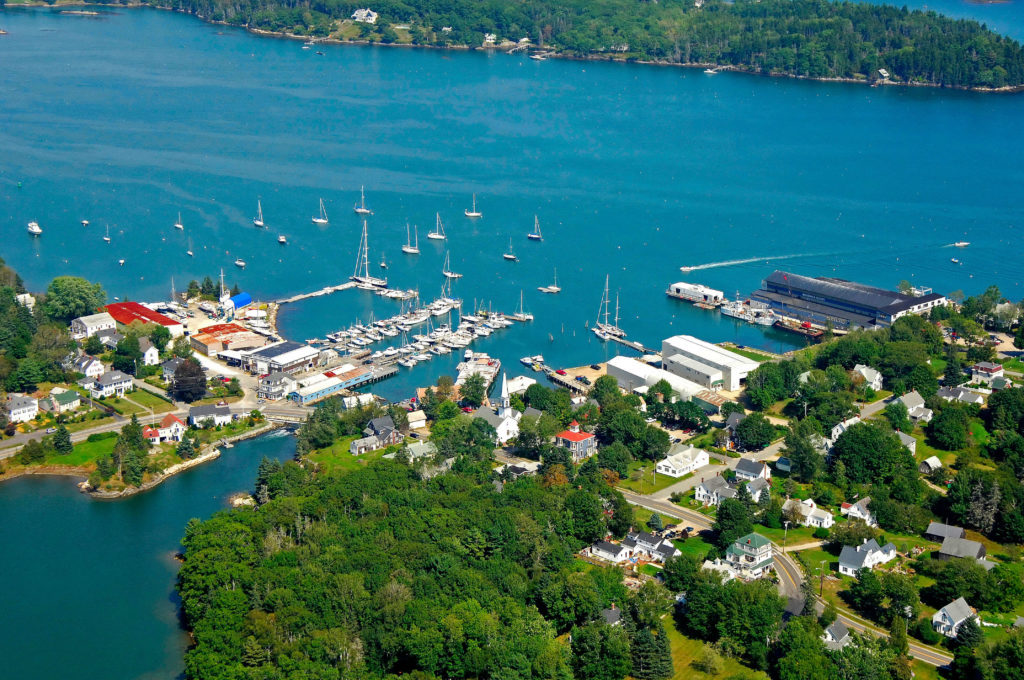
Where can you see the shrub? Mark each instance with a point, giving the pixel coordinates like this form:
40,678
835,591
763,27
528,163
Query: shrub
924,632
100,436
820,533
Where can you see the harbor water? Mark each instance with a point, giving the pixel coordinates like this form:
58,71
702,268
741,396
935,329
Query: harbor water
128,118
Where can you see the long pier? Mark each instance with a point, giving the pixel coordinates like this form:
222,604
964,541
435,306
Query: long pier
317,293
634,345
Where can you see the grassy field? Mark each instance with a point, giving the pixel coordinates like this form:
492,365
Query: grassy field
122,405
1013,364
797,535
150,401
685,650
979,434
84,454
235,427
336,458
695,546
750,354
94,419
651,481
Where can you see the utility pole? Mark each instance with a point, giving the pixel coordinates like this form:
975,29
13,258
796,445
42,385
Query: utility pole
821,581
785,536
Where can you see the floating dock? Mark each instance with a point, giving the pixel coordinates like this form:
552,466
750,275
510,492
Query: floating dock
317,293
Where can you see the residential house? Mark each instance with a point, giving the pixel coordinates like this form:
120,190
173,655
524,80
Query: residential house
520,469
87,326
939,532
364,16
986,372
610,552
364,445
841,428
26,300
682,459
276,386
929,465
836,636
953,547
110,339
955,614
647,546
1002,383
111,384
150,354
383,428
520,384
784,464
171,428
865,556
748,470
169,367
21,408
750,556
417,420
581,444
90,367
416,450
713,491
725,572
918,412
731,423
909,443
872,378
505,420
217,413
756,487
961,395
809,513
63,401
612,616
859,510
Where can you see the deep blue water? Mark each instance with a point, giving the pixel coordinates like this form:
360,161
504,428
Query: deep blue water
634,171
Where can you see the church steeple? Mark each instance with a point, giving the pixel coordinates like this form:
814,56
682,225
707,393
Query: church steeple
506,402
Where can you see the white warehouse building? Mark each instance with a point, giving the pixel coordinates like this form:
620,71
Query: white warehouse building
734,367
694,370
632,374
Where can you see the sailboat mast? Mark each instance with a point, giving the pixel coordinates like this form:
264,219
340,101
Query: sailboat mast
607,300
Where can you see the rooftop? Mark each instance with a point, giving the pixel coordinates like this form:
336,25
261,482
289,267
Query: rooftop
128,312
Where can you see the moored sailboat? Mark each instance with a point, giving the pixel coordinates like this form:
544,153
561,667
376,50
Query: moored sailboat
438,233
361,209
602,329
535,235
473,212
553,288
361,275
322,219
410,247
510,255
179,224
258,220
448,273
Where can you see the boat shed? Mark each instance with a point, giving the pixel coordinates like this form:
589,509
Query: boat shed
240,301
696,371
734,367
632,374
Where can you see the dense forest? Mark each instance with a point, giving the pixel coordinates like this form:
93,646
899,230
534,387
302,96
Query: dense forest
809,38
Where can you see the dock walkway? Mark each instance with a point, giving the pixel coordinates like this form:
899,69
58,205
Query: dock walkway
317,293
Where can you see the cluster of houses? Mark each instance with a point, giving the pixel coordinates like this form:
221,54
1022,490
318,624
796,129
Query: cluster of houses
637,546
749,557
754,475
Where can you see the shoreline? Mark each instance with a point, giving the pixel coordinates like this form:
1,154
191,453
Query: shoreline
1008,89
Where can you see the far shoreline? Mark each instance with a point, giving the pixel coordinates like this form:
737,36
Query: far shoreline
1008,89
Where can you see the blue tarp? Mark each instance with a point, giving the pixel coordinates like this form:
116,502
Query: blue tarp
241,300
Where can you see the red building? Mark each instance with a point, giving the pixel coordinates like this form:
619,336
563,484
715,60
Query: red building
127,313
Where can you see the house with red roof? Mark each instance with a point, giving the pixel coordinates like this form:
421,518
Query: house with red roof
581,444
170,429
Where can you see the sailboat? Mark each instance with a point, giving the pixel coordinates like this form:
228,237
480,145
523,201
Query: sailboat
605,330
107,237
447,270
178,224
473,212
361,209
535,235
409,246
521,314
510,255
34,228
323,214
438,233
553,288
361,274
189,251
258,220
383,262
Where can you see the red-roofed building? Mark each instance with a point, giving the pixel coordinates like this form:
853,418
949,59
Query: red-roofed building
581,445
152,434
214,339
127,313
171,429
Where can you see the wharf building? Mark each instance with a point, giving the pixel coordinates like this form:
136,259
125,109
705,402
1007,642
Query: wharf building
704,363
843,304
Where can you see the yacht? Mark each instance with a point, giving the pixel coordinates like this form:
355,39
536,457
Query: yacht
282,240
530,361
189,251
361,274
447,269
178,224
510,255
258,220
961,244
438,233
711,71
34,228
411,247
473,212
361,209
121,262
553,288
239,262
107,237
85,223
322,219
535,235
602,329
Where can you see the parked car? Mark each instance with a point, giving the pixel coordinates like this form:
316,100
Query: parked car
596,367
561,371
585,380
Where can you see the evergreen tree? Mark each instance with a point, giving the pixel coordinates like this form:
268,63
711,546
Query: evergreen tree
652,658
898,636
62,440
185,449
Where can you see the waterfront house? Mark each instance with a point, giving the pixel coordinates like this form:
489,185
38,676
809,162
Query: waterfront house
111,384
505,420
171,428
865,556
963,548
90,367
749,470
21,408
985,372
682,459
750,556
610,552
841,428
916,409
168,368
955,614
859,510
939,532
872,378
87,326
215,413
929,465
150,354
26,300
364,16
276,386
909,443
364,445
810,515
61,401
580,444
836,636
383,428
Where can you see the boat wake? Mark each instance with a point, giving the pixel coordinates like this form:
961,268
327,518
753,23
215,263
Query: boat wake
730,263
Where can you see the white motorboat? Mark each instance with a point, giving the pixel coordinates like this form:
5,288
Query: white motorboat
34,228
473,212
961,244
239,262
178,224
535,235
361,209
85,223
411,247
121,262
322,219
438,233
282,240
258,220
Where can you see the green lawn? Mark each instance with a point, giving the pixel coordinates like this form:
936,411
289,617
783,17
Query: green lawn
812,558
122,405
84,453
93,419
879,395
235,427
750,354
651,481
150,401
685,650
642,516
1013,364
336,458
797,535
695,546
925,451
978,433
